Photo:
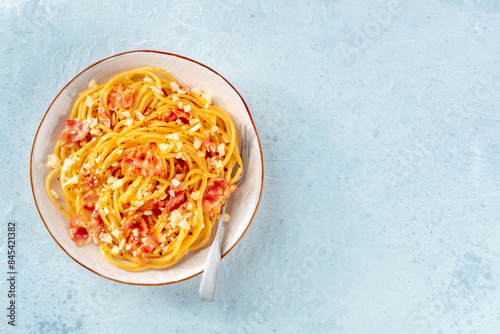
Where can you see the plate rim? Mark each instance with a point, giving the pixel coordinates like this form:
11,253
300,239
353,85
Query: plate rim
74,78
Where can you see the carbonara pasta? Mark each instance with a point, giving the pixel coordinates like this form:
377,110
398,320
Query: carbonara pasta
145,166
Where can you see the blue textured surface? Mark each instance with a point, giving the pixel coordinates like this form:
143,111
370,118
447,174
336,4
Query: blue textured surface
379,123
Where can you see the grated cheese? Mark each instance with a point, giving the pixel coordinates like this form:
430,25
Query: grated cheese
187,108
156,90
117,184
148,213
207,97
115,233
89,102
174,86
54,194
175,98
53,161
106,237
197,91
184,224
195,128
73,180
148,79
193,121
163,147
220,149
173,136
92,83
197,144
196,195
215,128
189,206
122,243
115,250
226,217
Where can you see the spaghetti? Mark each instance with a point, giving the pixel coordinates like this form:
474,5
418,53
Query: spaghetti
145,166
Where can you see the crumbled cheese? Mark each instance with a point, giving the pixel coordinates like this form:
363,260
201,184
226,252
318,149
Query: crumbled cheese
173,136
148,79
207,97
175,218
137,203
139,115
196,195
165,248
129,122
117,184
206,106
226,218
53,161
144,240
106,210
175,98
54,194
163,238
215,128
184,224
189,206
195,128
193,121
68,162
92,83
197,143
115,164
156,90
171,193
175,182
115,250
220,149
122,243
174,86
219,164
106,237
134,253
163,147
187,108
73,180
128,246
179,145
135,232
179,156
148,213
195,221
180,105
126,113
197,91
89,102
112,179
115,233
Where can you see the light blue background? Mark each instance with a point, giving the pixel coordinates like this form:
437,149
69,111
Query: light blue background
379,123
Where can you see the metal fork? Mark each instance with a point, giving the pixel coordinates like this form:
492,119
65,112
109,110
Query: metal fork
208,284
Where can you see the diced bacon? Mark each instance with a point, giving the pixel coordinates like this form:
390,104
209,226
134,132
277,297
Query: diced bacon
174,114
178,198
104,116
90,200
211,147
142,160
142,240
85,227
89,178
73,132
218,190
121,96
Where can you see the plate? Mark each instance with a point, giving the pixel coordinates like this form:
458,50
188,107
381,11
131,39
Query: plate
242,205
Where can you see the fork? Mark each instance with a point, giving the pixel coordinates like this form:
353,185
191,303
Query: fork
208,284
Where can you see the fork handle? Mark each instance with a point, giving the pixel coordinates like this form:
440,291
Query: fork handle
208,285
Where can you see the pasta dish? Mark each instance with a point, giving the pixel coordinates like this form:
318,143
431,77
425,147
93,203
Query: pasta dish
144,166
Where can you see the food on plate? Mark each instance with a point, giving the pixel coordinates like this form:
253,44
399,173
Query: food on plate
144,165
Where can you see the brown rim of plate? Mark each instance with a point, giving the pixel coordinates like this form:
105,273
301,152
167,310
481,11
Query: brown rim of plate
94,64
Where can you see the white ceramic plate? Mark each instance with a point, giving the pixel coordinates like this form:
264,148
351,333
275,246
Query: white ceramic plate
242,205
